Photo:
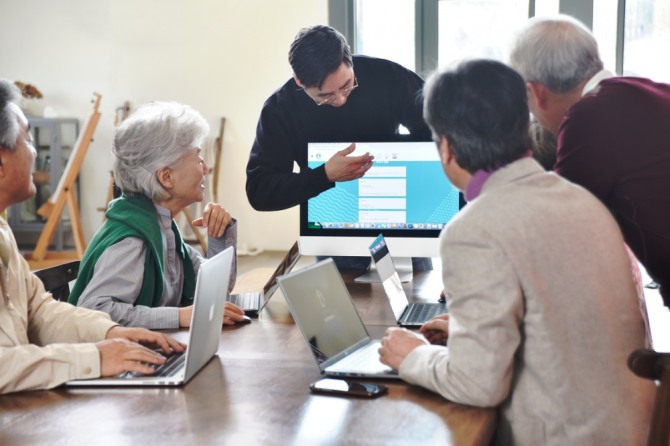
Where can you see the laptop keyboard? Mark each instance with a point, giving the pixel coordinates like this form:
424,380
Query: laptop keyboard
247,301
173,363
363,361
419,314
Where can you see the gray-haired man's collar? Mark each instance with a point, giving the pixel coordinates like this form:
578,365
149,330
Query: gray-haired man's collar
593,84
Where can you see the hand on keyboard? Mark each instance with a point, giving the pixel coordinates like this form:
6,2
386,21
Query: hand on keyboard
121,355
172,363
397,343
436,330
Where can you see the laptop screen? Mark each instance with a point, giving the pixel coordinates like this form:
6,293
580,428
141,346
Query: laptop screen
207,317
387,273
286,265
323,309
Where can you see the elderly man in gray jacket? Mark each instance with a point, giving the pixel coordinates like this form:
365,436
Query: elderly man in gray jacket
543,312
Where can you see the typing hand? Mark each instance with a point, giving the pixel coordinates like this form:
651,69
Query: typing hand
341,167
396,345
147,337
121,355
436,330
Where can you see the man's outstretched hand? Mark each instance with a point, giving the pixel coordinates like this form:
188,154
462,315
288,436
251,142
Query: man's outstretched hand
342,167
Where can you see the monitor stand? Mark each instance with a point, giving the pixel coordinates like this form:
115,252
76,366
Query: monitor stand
403,266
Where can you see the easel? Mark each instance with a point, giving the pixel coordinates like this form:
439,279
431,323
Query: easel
122,112
218,148
65,194
198,236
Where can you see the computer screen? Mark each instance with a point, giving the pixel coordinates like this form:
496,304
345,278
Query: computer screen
405,196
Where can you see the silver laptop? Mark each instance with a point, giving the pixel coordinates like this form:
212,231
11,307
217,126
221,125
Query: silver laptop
206,321
254,301
406,314
323,310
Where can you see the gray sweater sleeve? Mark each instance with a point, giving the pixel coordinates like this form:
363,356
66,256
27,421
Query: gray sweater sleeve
215,246
115,286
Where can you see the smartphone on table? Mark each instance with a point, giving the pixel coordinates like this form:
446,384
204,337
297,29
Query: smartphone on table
330,386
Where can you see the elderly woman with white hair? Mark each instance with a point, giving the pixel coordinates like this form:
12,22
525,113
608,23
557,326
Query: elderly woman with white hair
137,268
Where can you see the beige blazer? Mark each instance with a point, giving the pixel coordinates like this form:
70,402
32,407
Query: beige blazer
543,315
40,337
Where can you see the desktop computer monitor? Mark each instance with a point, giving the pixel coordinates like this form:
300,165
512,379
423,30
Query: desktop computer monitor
405,196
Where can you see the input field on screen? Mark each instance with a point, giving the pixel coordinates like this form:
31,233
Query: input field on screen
382,203
382,188
390,172
381,216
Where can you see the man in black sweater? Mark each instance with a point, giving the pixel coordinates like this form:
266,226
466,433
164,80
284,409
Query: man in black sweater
332,97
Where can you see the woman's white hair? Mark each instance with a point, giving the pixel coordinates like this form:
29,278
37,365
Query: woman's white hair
558,52
10,95
157,135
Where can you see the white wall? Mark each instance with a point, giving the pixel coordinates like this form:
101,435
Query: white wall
223,57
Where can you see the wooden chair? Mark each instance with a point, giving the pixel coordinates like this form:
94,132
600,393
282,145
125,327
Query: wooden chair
654,365
56,279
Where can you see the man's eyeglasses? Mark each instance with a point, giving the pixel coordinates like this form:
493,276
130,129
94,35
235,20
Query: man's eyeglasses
331,97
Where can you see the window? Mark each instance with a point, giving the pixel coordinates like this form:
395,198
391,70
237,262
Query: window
478,28
423,35
646,38
546,7
389,35
426,34
605,13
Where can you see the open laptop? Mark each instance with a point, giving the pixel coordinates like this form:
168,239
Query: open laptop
323,310
406,314
205,333
254,301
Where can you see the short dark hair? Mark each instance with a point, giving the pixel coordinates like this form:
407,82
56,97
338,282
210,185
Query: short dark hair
481,108
316,52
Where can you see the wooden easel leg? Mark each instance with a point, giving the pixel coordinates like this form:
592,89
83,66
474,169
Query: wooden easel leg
110,196
196,231
218,149
48,231
75,220
65,192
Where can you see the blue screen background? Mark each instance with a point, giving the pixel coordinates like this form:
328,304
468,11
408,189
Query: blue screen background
430,197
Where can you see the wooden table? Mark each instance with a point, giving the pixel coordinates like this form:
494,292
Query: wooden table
254,392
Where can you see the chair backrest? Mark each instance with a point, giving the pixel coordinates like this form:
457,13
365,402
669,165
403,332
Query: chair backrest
56,279
654,365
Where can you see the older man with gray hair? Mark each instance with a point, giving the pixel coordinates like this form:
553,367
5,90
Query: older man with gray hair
612,132
43,342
